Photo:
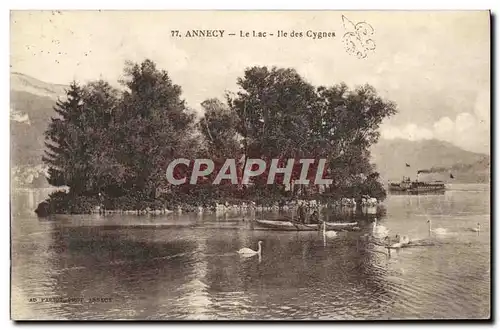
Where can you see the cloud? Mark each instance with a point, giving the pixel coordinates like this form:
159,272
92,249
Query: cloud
19,116
468,130
410,132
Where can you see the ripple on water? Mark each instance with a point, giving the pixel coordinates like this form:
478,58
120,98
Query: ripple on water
192,273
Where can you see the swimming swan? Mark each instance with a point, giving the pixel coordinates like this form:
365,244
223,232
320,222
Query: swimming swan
249,252
330,233
476,229
405,240
401,242
437,231
379,231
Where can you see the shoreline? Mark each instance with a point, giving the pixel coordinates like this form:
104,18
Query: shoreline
221,209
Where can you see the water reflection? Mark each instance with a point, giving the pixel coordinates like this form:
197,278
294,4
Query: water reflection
186,267
25,201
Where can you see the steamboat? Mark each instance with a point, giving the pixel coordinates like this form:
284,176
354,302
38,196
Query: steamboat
416,187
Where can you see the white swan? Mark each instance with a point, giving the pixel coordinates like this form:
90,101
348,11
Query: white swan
395,245
437,231
249,252
401,242
405,240
379,231
329,233
476,229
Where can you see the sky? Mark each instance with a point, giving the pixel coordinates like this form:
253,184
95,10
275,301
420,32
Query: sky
434,65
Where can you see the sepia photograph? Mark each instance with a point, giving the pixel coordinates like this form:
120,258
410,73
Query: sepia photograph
250,165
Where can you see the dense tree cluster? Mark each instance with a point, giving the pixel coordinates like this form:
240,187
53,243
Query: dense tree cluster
113,146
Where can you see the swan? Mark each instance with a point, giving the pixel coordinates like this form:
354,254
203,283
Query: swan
476,229
437,231
401,242
405,240
330,233
395,245
249,252
379,231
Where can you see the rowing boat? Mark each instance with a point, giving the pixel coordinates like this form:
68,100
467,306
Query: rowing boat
293,226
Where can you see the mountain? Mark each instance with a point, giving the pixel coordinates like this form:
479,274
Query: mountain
31,106
24,83
438,157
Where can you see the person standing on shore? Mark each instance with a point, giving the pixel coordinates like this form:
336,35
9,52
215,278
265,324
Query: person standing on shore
301,213
314,219
101,203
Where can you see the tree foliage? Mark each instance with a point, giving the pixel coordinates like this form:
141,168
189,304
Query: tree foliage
118,143
283,116
77,153
154,126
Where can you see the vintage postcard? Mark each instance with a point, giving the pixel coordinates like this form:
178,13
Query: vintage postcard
250,165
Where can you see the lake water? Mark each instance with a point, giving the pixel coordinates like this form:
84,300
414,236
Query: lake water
185,266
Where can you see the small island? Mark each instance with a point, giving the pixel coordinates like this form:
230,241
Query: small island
110,147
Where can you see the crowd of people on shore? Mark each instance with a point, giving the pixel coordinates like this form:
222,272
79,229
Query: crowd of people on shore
307,210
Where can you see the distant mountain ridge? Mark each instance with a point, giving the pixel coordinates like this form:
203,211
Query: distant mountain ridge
439,157
31,107
24,83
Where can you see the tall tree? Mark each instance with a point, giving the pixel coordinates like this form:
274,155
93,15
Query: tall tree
78,145
67,147
350,126
271,105
284,116
155,127
218,127
107,174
